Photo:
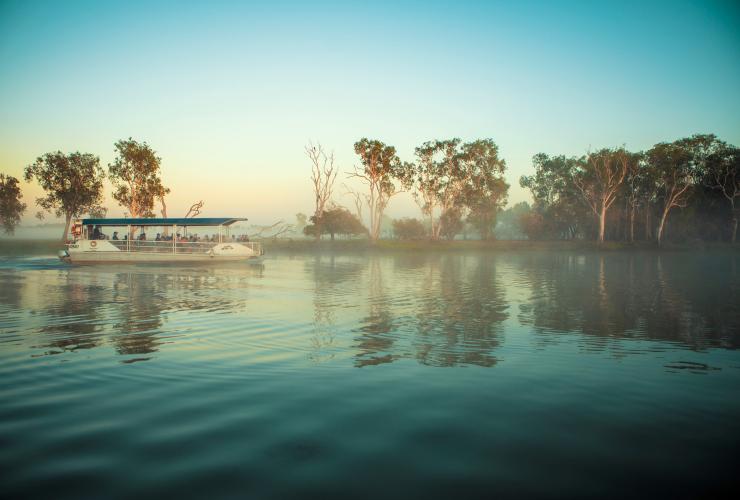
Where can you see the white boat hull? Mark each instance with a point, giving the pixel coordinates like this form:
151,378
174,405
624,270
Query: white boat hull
107,252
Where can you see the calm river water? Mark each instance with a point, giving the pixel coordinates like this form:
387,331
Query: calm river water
417,376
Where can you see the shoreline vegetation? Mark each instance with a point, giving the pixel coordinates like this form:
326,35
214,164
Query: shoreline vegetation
24,247
611,197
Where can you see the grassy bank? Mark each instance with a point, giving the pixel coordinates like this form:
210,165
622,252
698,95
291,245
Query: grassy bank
342,246
27,247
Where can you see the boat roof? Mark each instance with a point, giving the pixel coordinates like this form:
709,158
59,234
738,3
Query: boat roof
170,221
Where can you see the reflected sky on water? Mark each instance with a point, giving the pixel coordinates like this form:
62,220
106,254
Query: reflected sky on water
440,310
330,375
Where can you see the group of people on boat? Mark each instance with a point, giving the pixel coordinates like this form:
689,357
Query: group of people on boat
97,234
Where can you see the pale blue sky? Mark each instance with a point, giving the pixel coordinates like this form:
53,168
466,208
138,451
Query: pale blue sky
228,93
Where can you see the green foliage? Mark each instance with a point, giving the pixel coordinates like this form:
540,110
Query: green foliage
722,176
337,220
674,170
561,213
689,175
484,189
458,178
380,167
409,229
135,175
73,183
11,206
508,222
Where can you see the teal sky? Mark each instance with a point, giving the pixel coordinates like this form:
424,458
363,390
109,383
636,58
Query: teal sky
229,93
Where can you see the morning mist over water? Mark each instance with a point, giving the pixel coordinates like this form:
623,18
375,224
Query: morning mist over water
323,367
394,250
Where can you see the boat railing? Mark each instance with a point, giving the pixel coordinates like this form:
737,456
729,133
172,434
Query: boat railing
178,247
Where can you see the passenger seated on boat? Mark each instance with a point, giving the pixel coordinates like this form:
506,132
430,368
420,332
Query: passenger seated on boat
142,236
97,235
115,235
158,238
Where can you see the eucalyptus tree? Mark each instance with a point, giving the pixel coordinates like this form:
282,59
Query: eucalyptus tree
73,184
598,180
634,187
556,209
380,166
484,188
723,174
437,180
11,206
135,175
675,168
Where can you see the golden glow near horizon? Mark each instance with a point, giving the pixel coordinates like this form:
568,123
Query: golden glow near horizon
229,94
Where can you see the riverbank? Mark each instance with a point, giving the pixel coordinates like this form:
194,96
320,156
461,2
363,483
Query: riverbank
358,245
25,247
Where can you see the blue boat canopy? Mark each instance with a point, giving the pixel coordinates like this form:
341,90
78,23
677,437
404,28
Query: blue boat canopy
170,221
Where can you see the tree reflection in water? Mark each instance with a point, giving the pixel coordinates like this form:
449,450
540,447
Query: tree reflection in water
128,310
461,314
330,275
376,337
441,311
653,296
74,320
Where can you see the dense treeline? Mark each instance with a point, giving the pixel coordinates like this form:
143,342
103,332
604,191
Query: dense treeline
686,189
682,190
450,180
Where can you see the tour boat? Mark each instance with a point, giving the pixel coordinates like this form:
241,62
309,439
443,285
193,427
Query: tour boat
170,240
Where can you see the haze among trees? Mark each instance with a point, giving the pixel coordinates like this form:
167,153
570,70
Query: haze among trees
11,206
689,186
683,190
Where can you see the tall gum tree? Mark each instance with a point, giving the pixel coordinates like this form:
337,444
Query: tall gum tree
675,168
484,188
723,175
11,206
380,167
633,188
135,175
598,180
437,180
73,184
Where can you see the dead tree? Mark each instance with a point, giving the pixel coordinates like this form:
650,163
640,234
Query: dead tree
356,198
276,229
323,175
194,209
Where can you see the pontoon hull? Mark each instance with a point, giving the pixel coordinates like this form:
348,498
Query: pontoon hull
118,252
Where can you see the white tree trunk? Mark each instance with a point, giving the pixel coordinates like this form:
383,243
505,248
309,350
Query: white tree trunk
68,218
661,226
602,224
